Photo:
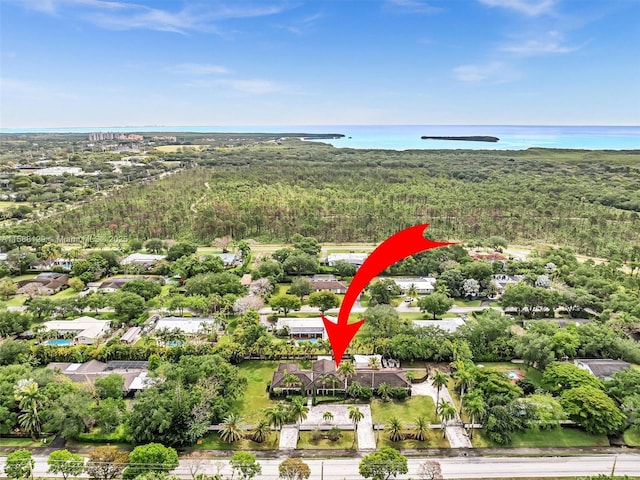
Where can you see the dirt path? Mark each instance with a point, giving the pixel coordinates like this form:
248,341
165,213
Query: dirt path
192,207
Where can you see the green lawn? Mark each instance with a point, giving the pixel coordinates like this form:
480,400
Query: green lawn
632,437
256,399
66,293
307,443
26,276
560,437
406,411
467,303
212,441
23,442
434,440
16,301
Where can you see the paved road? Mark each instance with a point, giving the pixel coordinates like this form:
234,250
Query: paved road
458,467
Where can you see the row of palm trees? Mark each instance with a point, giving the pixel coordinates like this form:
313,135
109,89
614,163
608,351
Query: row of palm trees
471,403
232,429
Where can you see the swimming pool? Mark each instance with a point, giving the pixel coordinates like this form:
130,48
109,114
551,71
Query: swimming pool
175,343
513,375
312,340
59,342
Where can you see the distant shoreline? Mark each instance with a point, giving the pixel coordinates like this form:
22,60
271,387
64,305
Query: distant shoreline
472,138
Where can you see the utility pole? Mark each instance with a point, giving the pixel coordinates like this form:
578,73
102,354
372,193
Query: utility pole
321,470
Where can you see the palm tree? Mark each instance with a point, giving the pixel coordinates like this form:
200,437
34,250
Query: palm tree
422,427
374,363
291,381
232,430
346,370
276,416
356,416
412,291
447,412
261,431
384,390
475,407
298,410
329,380
30,399
464,378
439,380
394,430
327,417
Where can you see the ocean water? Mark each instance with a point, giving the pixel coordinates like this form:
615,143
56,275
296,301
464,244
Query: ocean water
407,137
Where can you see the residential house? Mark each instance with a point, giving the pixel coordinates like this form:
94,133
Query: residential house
602,368
134,373
46,283
353,258
87,330
449,325
143,259
323,378
63,263
422,285
502,280
229,259
187,325
132,335
112,285
303,328
322,282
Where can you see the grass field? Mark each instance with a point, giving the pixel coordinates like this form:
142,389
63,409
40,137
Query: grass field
467,303
406,411
307,443
24,442
256,398
66,293
632,437
560,437
213,442
434,440
16,301
176,148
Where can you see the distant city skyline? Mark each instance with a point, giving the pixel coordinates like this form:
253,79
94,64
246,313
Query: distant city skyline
109,63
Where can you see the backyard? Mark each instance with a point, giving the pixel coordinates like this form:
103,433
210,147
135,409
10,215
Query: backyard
256,398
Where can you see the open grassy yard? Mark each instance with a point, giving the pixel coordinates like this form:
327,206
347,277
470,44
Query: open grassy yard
62,294
406,411
306,442
433,440
560,437
212,441
16,301
256,398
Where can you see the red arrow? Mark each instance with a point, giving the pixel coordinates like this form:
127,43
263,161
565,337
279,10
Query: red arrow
400,245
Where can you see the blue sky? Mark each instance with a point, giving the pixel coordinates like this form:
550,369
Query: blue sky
98,63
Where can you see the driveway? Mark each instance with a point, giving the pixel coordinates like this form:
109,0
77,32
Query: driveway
456,435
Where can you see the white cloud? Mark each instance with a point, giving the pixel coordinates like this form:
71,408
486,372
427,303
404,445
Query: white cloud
549,44
412,6
199,69
116,15
532,8
492,72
